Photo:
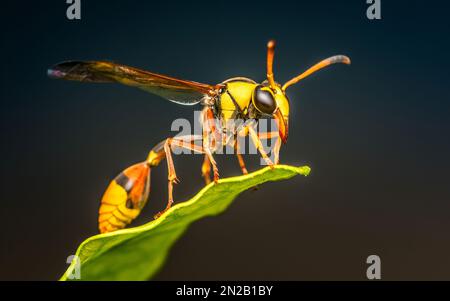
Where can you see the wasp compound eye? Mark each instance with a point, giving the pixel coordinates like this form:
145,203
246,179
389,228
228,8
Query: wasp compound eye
263,100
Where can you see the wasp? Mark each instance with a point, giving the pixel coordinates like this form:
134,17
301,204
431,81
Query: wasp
237,97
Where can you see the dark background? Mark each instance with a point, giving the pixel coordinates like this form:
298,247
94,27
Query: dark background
375,133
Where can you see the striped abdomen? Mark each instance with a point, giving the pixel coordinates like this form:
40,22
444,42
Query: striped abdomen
124,198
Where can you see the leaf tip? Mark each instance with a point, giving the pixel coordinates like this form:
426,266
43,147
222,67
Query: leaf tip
304,170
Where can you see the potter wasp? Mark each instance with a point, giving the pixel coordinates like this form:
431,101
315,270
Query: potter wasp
234,98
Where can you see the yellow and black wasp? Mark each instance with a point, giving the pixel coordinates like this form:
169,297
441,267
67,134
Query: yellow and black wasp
237,97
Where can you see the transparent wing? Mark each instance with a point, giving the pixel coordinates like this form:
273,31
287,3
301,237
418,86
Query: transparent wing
176,90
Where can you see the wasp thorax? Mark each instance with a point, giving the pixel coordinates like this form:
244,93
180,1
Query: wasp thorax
263,100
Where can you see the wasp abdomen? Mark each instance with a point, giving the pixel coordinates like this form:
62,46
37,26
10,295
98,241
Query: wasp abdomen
124,198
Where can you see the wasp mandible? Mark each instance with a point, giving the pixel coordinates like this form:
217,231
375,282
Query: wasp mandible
235,98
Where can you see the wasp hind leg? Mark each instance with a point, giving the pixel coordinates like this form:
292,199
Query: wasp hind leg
181,142
172,176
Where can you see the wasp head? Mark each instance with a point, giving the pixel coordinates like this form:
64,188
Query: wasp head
271,96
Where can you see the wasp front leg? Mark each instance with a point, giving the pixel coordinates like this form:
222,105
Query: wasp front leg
277,146
259,146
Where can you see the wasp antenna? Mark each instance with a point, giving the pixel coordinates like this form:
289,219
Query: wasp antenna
326,62
270,54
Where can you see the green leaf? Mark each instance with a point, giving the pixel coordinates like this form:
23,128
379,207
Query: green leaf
138,253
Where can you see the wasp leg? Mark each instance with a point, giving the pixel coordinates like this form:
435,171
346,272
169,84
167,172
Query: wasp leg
172,176
277,146
241,161
210,131
206,170
206,166
276,150
213,162
240,157
256,140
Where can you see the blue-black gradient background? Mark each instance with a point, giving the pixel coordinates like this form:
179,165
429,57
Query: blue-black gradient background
375,133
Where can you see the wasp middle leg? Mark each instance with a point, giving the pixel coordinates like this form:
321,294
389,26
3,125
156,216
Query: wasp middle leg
239,156
206,170
210,137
